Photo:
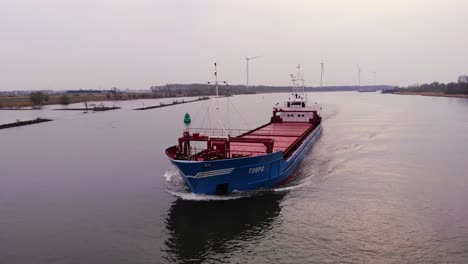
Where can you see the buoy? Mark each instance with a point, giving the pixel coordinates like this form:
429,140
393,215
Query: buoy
187,118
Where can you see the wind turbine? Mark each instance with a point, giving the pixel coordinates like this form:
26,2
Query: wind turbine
247,59
359,75
374,75
322,72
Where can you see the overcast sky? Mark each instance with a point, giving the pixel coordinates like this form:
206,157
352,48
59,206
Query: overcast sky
92,44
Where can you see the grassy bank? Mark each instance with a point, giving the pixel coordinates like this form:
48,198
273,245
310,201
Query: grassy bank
439,94
12,101
459,90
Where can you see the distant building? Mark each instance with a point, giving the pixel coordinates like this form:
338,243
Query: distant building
463,79
169,89
156,89
83,91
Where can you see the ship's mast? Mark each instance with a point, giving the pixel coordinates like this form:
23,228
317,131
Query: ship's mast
298,81
216,85
216,78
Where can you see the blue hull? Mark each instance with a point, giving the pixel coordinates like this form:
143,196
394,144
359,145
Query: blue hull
243,174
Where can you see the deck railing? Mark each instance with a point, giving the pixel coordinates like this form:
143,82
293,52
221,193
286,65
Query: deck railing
217,132
193,151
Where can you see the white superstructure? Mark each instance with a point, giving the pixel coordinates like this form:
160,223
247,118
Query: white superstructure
296,108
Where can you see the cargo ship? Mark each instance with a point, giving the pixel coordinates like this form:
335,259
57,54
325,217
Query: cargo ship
233,160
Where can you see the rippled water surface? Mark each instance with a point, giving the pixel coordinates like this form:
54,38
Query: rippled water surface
387,182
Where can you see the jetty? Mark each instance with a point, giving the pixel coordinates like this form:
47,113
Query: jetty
175,102
20,108
24,123
95,109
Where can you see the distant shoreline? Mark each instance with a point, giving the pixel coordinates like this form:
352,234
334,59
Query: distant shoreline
19,102
437,94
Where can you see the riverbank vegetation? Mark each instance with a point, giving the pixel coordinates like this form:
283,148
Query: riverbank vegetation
436,89
38,98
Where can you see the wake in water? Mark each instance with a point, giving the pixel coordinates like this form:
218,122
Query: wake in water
331,112
177,187
316,163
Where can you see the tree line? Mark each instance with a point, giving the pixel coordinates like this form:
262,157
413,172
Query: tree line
449,88
200,89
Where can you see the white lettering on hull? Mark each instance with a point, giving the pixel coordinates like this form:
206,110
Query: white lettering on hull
256,169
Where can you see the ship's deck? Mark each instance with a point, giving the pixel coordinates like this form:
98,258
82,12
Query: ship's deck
284,135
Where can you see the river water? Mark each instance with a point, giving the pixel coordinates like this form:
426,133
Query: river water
387,182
